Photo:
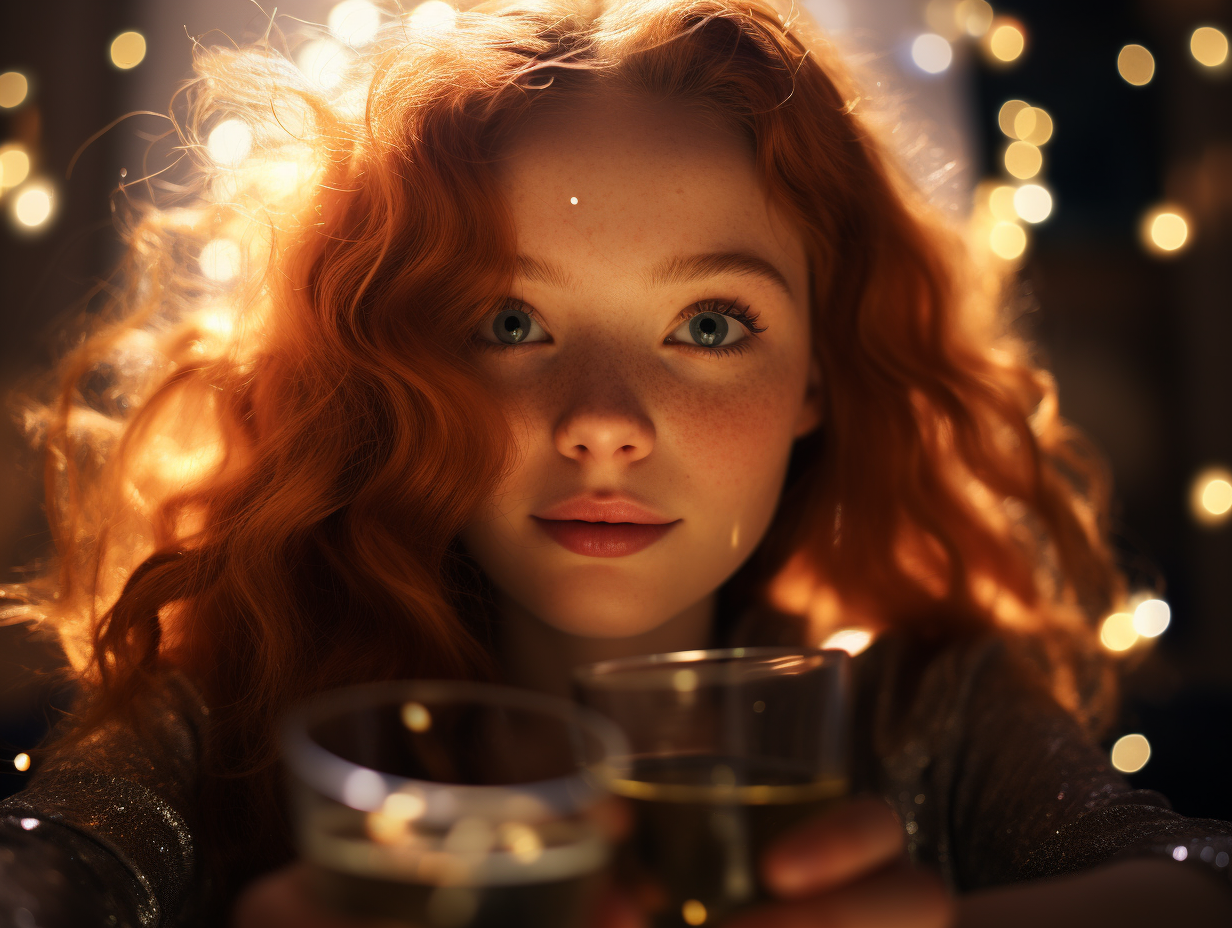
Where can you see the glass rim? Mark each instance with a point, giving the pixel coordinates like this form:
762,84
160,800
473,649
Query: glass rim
589,672
357,786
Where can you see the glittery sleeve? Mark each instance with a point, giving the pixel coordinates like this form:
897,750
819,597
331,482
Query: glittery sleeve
111,821
996,783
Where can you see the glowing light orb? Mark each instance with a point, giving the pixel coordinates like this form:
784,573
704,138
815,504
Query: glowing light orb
851,640
354,22
1007,240
1033,202
1209,46
1117,632
416,717
1032,125
1001,203
220,259
1023,160
229,142
13,89
1005,41
693,913
1165,230
931,53
974,16
1130,753
14,166
323,62
22,762
1007,116
1210,496
433,14
1152,617
1136,65
32,206
127,50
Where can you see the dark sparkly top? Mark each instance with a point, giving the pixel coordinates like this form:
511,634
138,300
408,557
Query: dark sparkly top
993,781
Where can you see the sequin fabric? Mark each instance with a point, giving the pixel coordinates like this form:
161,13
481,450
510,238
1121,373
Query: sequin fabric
993,781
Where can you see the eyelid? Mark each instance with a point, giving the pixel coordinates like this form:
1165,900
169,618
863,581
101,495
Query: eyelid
733,309
488,339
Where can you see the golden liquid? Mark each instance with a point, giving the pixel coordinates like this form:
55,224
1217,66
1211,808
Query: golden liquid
701,826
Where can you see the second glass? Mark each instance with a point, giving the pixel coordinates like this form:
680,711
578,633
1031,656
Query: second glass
728,749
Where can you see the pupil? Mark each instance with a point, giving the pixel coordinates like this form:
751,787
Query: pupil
708,326
512,323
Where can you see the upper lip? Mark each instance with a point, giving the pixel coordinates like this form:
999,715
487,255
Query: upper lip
607,509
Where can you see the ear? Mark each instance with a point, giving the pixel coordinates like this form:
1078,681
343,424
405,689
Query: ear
812,410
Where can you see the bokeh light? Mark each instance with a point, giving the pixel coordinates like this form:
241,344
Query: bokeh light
1130,753
22,762
324,62
693,912
974,16
1136,65
433,14
1007,240
354,22
229,142
1117,632
14,166
127,50
1033,125
1033,202
33,205
220,259
851,640
1152,617
931,53
1023,160
1165,230
13,89
1209,46
1007,116
1001,203
1210,496
1005,41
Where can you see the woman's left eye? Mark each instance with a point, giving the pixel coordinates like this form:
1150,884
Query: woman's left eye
712,328
513,326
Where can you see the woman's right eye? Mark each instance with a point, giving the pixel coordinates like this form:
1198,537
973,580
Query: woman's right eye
513,326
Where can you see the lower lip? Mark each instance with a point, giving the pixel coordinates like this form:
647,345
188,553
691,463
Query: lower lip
603,539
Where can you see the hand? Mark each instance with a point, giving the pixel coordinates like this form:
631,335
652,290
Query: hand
847,869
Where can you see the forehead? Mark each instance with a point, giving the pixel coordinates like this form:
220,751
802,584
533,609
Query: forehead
621,183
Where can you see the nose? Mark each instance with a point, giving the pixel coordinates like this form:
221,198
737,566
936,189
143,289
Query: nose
605,426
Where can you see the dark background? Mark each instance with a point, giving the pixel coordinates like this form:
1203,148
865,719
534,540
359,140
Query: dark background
1141,346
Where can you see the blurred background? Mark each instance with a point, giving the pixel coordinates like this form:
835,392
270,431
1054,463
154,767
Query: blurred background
1091,142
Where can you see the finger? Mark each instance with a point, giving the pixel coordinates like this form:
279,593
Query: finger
898,897
856,838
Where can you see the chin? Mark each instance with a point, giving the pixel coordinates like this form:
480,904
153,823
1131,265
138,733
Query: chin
593,612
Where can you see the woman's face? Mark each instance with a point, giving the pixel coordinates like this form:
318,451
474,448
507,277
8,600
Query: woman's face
654,365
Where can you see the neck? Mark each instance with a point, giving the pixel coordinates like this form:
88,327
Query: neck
538,656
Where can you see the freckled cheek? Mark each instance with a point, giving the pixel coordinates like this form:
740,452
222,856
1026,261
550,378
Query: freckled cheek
735,437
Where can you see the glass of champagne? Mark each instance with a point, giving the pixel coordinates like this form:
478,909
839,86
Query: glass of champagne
729,748
451,804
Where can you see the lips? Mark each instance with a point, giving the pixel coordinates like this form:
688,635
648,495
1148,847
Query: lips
603,528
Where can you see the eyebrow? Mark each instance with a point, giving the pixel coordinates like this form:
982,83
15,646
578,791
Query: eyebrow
677,270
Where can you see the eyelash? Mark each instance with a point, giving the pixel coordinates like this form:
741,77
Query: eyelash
741,312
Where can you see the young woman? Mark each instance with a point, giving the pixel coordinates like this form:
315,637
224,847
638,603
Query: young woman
552,333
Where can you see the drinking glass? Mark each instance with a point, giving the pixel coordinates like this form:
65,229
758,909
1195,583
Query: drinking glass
728,748
452,804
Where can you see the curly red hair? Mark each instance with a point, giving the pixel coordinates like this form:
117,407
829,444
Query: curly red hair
258,468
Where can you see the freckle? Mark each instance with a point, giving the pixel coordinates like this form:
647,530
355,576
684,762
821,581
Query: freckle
573,200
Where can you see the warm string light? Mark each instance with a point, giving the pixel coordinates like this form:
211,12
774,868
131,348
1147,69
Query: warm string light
1210,496
1165,230
354,22
1136,65
127,50
1147,618
1130,753
1209,46
14,88
14,166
